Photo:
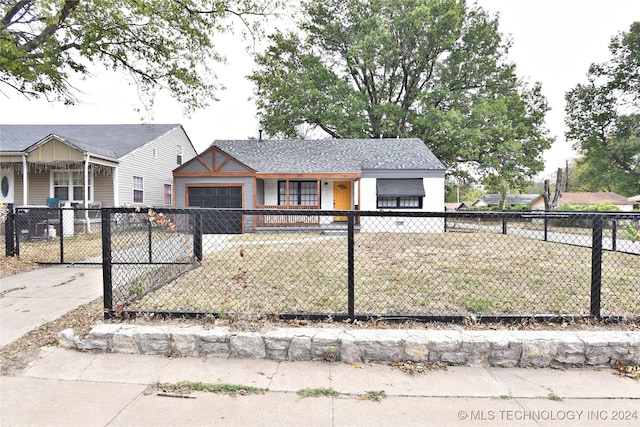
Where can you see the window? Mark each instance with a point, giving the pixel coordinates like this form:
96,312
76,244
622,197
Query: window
154,153
179,153
399,193
300,193
138,189
68,186
167,194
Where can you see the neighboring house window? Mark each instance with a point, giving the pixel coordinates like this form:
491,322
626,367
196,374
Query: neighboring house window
167,194
300,193
399,193
138,189
179,152
68,186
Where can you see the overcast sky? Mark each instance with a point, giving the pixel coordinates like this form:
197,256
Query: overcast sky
554,41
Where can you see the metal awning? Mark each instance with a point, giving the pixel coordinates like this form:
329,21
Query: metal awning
400,187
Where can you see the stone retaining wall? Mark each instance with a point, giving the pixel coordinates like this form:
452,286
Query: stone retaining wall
540,349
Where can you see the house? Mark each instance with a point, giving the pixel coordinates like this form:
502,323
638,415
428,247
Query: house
91,165
329,174
586,198
457,206
491,200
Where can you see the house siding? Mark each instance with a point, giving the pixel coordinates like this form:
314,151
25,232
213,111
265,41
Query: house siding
141,162
39,188
433,183
103,189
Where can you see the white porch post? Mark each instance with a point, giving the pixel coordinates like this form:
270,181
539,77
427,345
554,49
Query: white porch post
86,192
116,189
25,181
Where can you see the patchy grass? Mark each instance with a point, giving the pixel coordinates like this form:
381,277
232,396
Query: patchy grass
317,392
373,395
555,397
187,387
477,273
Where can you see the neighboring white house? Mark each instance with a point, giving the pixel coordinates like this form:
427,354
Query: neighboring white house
330,174
91,165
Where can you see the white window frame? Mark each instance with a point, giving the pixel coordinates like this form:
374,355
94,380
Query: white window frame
169,193
179,153
138,185
70,186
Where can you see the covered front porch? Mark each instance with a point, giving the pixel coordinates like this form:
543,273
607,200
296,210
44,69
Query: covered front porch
304,193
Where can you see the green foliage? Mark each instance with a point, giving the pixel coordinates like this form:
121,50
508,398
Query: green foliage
431,69
604,206
603,119
159,43
632,232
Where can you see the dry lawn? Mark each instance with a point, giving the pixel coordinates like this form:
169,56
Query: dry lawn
449,273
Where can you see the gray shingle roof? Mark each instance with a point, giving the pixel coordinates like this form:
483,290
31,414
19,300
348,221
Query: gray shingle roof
331,155
112,141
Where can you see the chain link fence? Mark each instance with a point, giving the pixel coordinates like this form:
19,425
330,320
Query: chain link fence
359,265
54,235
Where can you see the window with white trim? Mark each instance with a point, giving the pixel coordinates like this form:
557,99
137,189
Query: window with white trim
68,186
138,189
179,153
167,194
399,193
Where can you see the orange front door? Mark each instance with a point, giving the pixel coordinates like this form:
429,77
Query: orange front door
341,198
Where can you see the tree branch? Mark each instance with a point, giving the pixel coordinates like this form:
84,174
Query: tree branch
6,20
69,6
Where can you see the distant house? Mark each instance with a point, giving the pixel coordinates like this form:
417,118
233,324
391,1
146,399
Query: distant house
91,165
587,198
457,206
635,200
491,200
330,174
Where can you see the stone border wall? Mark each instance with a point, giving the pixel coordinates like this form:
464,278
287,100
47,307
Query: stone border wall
499,348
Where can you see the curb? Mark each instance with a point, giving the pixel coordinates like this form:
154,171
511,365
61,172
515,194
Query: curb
496,348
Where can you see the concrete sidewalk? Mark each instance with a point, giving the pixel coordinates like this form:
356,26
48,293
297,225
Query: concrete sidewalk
34,297
70,388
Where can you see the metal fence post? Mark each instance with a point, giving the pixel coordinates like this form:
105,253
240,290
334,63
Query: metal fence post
107,288
351,266
197,237
614,233
504,225
62,233
10,232
546,227
596,265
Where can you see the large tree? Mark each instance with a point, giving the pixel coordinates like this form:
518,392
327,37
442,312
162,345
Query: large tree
159,43
432,69
603,118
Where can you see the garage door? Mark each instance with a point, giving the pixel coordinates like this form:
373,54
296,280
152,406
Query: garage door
218,197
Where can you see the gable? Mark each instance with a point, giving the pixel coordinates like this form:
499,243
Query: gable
213,162
55,150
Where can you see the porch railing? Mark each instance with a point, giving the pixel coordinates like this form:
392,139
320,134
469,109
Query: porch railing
279,220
